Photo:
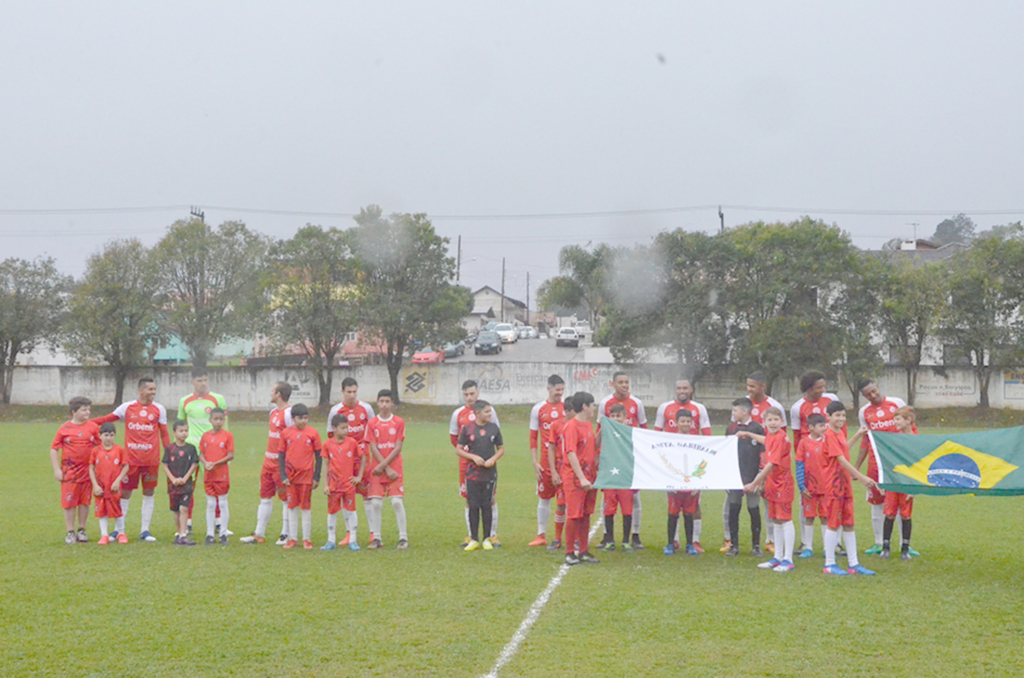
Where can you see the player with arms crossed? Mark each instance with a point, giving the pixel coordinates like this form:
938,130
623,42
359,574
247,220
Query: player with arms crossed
460,417
270,475
358,414
635,417
543,417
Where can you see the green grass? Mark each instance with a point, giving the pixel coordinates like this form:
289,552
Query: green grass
157,610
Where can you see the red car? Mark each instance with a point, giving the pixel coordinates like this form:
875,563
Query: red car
428,355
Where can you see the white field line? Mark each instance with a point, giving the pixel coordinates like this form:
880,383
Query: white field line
538,605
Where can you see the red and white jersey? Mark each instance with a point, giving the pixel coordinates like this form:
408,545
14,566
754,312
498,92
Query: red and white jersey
878,418
300,446
386,434
462,416
145,427
543,415
635,415
108,464
666,417
214,446
757,411
358,416
75,442
279,421
811,452
804,408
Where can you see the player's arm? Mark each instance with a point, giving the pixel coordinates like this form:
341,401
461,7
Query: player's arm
704,422
362,469
550,449
751,436
859,434
534,435
194,468
173,479
96,489
498,454
55,462
574,463
282,449
391,473
757,483
229,453
120,478
165,437
318,468
857,475
462,450
99,421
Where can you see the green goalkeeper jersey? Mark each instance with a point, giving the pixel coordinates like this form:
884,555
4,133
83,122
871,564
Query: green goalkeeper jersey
195,410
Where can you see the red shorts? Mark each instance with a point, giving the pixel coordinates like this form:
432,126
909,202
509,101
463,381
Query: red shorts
381,486
876,497
341,500
613,499
813,507
839,511
546,489
898,502
579,503
75,494
683,502
778,510
300,496
108,506
148,474
560,495
270,484
216,488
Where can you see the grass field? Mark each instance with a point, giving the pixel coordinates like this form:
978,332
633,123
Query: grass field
157,610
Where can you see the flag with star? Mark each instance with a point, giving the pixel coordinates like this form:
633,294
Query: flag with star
985,462
639,459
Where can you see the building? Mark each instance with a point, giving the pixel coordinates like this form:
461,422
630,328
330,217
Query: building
489,304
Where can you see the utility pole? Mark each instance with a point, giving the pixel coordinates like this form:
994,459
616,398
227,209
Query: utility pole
721,219
503,289
458,261
527,297
197,213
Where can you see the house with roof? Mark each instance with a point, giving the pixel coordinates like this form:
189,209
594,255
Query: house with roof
490,304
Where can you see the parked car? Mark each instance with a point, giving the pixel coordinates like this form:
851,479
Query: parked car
427,355
567,336
454,350
487,342
507,333
524,332
582,328
489,327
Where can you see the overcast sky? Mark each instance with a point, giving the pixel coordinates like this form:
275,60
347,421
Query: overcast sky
496,109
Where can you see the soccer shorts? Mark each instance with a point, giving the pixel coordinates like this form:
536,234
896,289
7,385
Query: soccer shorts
147,474
683,502
876,497
109,505
270,484
546,489
613,499
480,493
75,494
779,510
341,500
839,511
216,488
382,486
897,502
814,507
179,498
579,503
300,496
560,495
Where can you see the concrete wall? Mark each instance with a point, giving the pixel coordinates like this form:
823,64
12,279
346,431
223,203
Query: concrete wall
501,383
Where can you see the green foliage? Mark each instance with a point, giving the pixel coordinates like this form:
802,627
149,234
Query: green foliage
956,229
585,281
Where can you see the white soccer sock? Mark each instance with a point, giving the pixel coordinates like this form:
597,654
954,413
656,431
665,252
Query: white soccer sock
104,526
351,519
374,514
399,506
789,534
266,508
807,535
494,519
698,524
119,521
225,514
148,505
307,524
543,515
850,539
725,517
293,524
286,520
332,527
824,531
770,537
774,531
211,516
877,521
636,513
468,532
831,542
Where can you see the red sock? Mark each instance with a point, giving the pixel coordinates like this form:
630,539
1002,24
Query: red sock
583,534
559,526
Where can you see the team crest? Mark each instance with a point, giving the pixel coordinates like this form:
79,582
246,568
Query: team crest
391,431
351,417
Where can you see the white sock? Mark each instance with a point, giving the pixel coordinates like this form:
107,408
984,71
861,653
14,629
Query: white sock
636,513
807,535
104,527
831,542
211,516
725,517
332,527
468,533
877,522
286,520
351,519
374,510
119,521
770,538
266,508
399,506
789,532
293,524
494,520
543,515
148,505
676,537
774,531
307,524
698,524
850,539
824,531
225,514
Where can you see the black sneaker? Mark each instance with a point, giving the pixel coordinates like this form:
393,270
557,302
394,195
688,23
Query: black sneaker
636,543
70,538
905,555
588,559
374,545
210,541
556,545
571,559
756,551
886,553
224,540
732,551
185,541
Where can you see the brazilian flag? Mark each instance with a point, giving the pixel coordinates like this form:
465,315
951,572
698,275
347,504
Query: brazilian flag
983,463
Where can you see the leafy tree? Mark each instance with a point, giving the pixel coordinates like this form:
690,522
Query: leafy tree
32,303
406,275
855,316
956,229
584,281
210,283
113,317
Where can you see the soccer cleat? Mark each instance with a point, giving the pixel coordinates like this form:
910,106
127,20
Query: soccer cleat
147,536
669,550
841,551
403,544
375,544
177,540
307,544
769,564
769,547
282,540
726,545
329,546
691,550
210,540
836,570
69,538
756,551
224,539
676,544
495,541
473,545
539,540
464,544
104,540
81,537
188,534
635,541
353,545
588,559
556,545
122,538
697,547
860,569
785,566
114,535
346,540
626,547
874,550
885,553
571,559
486,545
607,546
914,553
806,553
229,533
252,539
290,544
185,541
732,551
905,555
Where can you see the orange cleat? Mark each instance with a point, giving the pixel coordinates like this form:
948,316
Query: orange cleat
104,540
539,540
307,544
290,544
344,542
769,547
697,547
122,538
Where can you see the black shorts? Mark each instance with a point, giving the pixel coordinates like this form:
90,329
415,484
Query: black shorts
480,493
180,498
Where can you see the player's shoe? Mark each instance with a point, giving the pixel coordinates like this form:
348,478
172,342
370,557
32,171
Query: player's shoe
230,533
147,536
210,540
806,553
122,538
104,540
307,544
81,537
637,544
873,551
539,540
188,532
495,542
556,545
114,535
329,546
571,559
626,547
836,570
769,547
914,553
345,541
860,569
756,551
353,545
224,538
841,551
676,544
607,546
669,550
282,540
732,551
187,541
691,550
69,538
375,544
464,544
905,554
177,540
588,559
473,545
697,547
769,564
726,545
785,566
885,553
403,544
290,544
486,545
253,539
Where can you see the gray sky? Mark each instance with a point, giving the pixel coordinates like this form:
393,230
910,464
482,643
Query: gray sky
482,108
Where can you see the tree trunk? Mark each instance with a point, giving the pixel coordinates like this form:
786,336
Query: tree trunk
910,385
7,372
200,356
394,356
120,374
984,377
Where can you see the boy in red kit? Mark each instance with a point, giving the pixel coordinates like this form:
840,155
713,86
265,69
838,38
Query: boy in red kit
579,471
180,463
636,417
613,499
70,454
108,468
216,450
358,413
836,473
897,502
270,477
386,434
345,465
299,463
809,461
543,418
556,457
775,482
685,502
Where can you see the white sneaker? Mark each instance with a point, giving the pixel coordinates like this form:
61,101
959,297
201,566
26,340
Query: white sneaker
282,540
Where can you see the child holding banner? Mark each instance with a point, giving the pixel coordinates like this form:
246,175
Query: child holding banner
615,499
904,418
683,502
837,473
775,483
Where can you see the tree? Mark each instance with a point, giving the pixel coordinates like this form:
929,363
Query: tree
32,303
957,229
406,275
313,295
584,281
855,316
210,283
112,312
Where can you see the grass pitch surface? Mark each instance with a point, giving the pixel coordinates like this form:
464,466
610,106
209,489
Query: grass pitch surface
159,610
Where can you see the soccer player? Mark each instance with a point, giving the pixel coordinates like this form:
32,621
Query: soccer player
749,460
460,417
216,450
810,480
299,462
814,401
700,426
757,385
613,499
345,466
385,434
195,411
579,471
480,444
556,450
180,462
897,503
542,418
108,468
685,502
837,472
358,414
145,428
877,414
70,453
775,482
636,417
270,475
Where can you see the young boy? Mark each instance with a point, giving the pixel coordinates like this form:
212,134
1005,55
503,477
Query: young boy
749,452
460,417
481,445
685,501
809,462
180,463
613,499
897,502
108,468
345,465
216,450
556,457
385,434
579,471
299,464
636,416
544,416
775,483
838,491
70,454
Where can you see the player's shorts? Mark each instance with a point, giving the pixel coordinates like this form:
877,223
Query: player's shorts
897,502
579,503
814,507
839,511
341,500
108,506
75,494
560,495
270,484
300,496
613,499
683,502
382,486
147,474
216,488
876,497
179,499
546,489
779,510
